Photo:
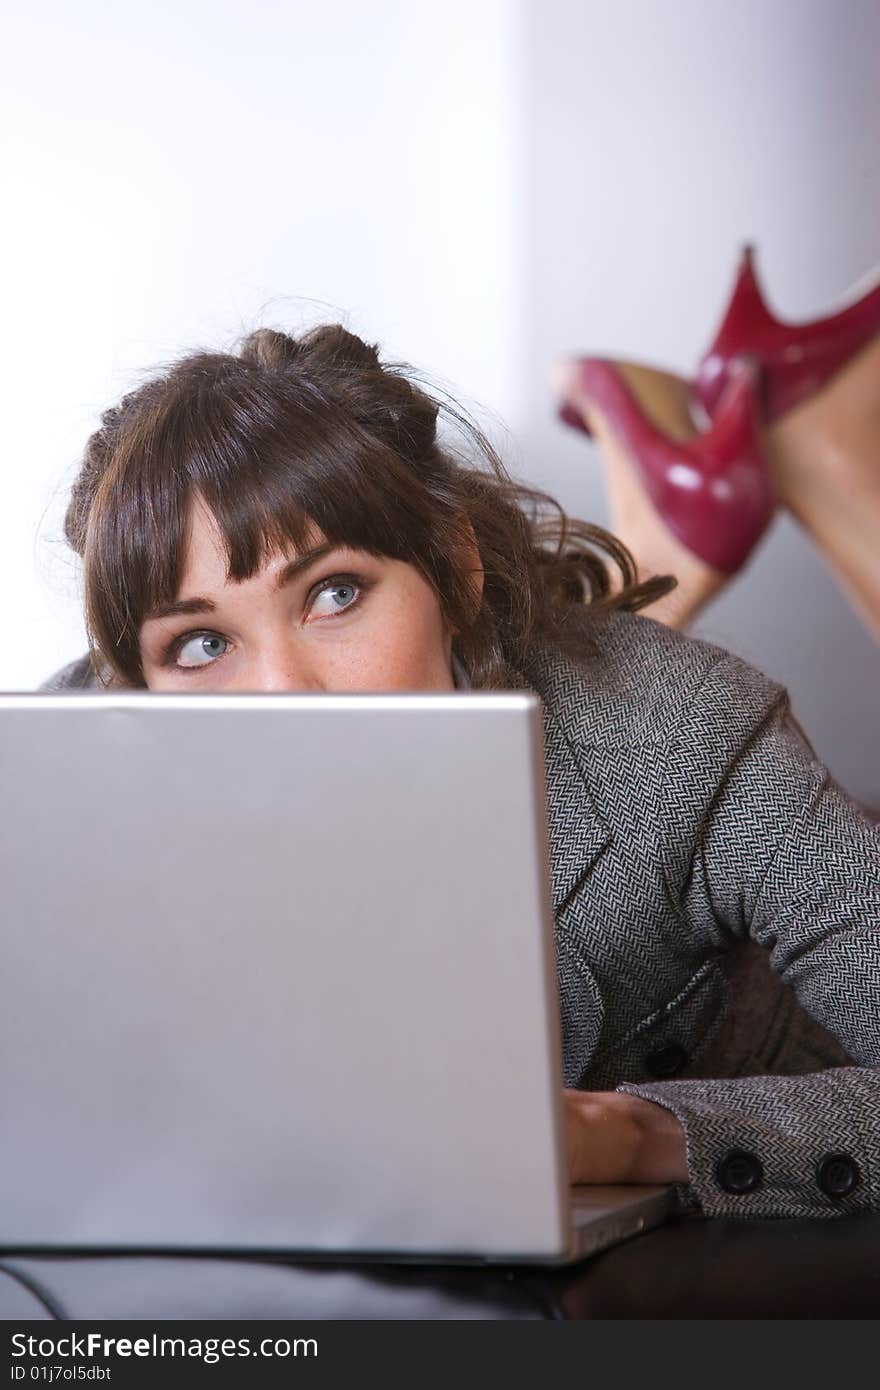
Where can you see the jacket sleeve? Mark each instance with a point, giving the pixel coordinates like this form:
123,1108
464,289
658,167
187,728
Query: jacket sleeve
777,852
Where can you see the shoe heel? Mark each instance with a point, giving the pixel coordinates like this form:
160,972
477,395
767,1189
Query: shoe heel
796,359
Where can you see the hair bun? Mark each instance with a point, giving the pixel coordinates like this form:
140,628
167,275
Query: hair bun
332,345
348,367
328,345
268,348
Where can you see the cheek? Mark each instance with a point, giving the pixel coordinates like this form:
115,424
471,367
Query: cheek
159,680
407,645
423,642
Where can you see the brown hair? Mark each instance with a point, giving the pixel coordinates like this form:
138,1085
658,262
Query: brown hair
293,433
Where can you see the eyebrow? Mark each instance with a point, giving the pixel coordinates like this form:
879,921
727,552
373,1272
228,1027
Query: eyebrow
197,604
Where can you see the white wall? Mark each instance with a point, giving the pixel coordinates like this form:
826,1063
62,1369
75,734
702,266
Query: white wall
661,137
178,172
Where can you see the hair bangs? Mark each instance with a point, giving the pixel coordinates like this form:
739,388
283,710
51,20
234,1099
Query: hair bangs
306,475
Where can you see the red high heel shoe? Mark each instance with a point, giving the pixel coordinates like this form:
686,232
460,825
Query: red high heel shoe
713,490
797,359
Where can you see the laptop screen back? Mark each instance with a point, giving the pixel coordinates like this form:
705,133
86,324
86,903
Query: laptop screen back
278,974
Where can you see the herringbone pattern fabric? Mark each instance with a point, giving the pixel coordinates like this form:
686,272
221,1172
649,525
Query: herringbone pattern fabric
696,842
720,830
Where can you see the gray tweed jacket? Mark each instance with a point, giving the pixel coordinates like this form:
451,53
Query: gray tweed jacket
717,907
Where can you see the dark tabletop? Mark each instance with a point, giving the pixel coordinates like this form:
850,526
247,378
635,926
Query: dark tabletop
689,1268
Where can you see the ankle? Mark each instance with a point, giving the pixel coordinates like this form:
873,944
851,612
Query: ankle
828,448
696,586
657,554
826,465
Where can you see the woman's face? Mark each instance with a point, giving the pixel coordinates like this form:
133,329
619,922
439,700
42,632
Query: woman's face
337,620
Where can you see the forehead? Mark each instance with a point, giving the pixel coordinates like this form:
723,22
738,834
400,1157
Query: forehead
205,557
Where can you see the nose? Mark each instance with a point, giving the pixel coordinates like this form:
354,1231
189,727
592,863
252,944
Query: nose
281,668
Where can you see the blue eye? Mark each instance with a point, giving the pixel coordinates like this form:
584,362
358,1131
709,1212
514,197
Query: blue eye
200,649
334,588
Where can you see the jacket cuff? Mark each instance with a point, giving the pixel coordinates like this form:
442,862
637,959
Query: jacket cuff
777,1146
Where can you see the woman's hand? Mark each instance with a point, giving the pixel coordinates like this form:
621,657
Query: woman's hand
613,1138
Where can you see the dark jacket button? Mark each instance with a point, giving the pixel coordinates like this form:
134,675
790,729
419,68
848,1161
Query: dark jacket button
838,1174
668,1060
739,1171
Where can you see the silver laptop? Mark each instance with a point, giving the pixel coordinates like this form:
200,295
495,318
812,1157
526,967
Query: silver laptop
278,975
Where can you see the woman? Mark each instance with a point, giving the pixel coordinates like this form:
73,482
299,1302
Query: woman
287,518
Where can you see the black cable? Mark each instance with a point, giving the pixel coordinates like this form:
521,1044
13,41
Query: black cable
35,1287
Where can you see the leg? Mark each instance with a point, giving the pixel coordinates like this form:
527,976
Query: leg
825,457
